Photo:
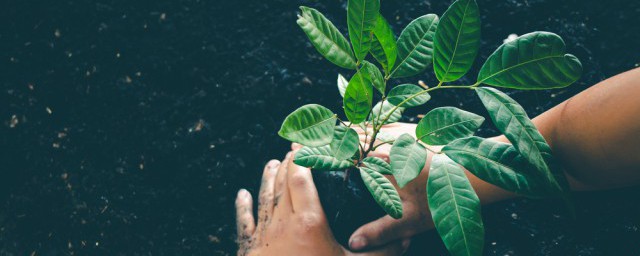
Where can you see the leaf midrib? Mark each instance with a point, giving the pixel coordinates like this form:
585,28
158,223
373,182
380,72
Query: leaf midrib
412,50
311,126
518,65
455,49
445,127
455,202
348,54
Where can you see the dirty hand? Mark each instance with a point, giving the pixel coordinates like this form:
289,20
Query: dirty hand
416,215
290,217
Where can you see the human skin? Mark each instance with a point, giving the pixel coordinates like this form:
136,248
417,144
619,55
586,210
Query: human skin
595,135
290,218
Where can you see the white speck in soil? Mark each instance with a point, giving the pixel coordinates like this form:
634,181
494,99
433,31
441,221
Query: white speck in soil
57,33
510,38
514,216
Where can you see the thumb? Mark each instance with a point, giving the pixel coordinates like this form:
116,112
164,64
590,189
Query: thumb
396,248
379,232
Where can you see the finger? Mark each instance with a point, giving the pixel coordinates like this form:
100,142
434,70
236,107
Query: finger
396,248
295,146
265,204
380,232
304,196
282,200
244,215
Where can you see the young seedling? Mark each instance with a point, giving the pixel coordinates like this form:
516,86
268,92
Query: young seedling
534,61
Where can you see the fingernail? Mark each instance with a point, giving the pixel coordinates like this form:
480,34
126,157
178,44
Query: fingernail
273,164
357,243
243,193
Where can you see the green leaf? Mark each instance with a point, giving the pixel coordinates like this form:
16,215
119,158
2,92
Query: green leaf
345,142
443,125
358,97
497,163
382,191
377,165
310,125
457,40
320,158
405,91
383,46
415,46
511,119
342,84
326,38
378,115
455,208
376,77
361,20
535,61
407,159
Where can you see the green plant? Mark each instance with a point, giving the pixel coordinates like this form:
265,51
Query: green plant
533,61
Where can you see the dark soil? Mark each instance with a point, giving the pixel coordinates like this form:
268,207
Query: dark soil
128,126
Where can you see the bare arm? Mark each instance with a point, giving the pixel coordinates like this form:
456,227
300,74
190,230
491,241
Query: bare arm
595,135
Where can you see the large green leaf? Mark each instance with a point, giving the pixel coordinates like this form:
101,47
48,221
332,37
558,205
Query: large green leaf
378,114
382,191
415,46
361,20
445,124
320,158
407,159
405,91
534,61
342,84
359,96
383,46
378,165
497,163
310,125
326,38
345,142
457,40
455,208
511,119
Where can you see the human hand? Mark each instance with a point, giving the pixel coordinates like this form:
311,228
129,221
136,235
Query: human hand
290,217
416,215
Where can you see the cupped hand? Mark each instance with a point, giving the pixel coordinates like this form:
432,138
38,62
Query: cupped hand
416,215
290,217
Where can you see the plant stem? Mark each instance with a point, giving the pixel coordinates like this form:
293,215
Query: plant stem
376,128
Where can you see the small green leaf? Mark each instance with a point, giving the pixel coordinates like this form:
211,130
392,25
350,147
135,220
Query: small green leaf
382,191
383,46
377,165
457,40
345,142
376,77
342,84
320,158
443,125
455,208
535,61
310,125
497,163
405,91
361,20
415,46
407,159
326,38
511,119
358,97
378,114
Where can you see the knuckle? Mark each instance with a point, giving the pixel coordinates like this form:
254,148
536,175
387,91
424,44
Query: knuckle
309,221
299,180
